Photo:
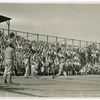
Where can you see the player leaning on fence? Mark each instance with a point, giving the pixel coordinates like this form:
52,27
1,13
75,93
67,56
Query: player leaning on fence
9,62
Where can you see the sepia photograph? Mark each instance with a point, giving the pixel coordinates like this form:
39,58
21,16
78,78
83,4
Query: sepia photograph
49,50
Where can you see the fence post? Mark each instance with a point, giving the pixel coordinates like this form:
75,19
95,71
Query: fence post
80,43
72,42
15,37
27,37
8,23
99,45
37,41
37,37
47,38
86,43
56,39
65,44
3,34
56,43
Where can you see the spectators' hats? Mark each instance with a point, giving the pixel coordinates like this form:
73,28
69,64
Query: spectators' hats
10,44
59,49
11,35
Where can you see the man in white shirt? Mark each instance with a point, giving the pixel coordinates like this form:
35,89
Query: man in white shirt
9,62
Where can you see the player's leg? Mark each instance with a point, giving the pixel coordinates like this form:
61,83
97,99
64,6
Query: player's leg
5,75
10,78
60,71
5,78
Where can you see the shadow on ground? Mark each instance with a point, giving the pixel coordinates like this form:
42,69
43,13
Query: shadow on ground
10,88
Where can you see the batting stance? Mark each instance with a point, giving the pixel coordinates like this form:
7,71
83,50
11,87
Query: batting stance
9,62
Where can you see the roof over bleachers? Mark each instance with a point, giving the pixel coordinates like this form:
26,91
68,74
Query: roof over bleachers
4,18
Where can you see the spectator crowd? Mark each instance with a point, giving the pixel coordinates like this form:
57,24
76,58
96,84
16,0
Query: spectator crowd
36,58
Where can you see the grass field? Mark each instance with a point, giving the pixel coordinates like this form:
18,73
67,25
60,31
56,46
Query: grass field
70,86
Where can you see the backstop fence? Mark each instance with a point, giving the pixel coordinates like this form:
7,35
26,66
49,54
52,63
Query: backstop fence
50,39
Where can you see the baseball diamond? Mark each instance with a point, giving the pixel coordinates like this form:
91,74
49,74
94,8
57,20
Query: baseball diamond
45,86
40,65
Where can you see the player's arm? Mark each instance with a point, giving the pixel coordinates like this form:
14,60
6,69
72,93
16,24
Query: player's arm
13,55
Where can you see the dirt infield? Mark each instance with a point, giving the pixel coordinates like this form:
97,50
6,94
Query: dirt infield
71,86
